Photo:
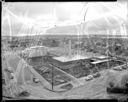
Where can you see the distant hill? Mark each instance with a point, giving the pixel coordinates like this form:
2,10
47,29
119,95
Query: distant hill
67,36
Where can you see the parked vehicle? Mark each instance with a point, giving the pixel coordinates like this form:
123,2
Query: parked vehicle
36,80
67,86
89,77
117,68
96,75
124,67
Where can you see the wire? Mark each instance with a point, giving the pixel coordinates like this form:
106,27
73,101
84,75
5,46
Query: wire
85,13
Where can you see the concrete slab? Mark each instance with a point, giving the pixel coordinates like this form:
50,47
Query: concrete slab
67,59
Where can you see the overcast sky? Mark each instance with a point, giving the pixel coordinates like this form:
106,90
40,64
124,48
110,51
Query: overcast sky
49,13
47,10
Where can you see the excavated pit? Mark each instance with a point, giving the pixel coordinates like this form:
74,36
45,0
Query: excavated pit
45,65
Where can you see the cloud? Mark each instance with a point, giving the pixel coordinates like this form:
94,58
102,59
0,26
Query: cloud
68,10
49,13
34,8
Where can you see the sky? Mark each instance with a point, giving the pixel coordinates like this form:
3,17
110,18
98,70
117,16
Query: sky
47,11
21,17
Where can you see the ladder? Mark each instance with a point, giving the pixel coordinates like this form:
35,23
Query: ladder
43,69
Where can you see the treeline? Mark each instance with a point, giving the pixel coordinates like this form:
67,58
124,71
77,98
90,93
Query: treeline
116,46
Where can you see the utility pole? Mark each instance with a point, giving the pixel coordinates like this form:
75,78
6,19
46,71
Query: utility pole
52,78
70,49
126,61
107,48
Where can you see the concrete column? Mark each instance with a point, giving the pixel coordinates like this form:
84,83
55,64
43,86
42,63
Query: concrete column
70,51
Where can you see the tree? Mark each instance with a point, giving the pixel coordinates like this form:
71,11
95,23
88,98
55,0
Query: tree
54,43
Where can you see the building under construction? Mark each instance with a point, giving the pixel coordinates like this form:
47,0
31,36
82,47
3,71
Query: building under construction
79,61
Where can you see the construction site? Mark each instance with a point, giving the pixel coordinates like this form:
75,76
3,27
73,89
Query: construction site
74,66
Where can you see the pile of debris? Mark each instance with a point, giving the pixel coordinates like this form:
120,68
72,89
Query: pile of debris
117,84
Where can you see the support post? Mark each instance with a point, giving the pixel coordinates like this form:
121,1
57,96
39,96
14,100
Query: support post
52,78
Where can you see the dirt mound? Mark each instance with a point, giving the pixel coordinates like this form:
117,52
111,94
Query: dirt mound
124,80
117,79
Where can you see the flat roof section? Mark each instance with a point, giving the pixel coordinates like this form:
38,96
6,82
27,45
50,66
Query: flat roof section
100,61
35,47
101,57
67,59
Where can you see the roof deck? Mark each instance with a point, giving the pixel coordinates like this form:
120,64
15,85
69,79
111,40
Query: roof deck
67,59
78,57
100,61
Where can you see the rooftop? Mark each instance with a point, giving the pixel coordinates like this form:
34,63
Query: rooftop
66,59
100,61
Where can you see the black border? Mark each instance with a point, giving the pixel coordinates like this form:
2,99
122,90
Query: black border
97,100
60,0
